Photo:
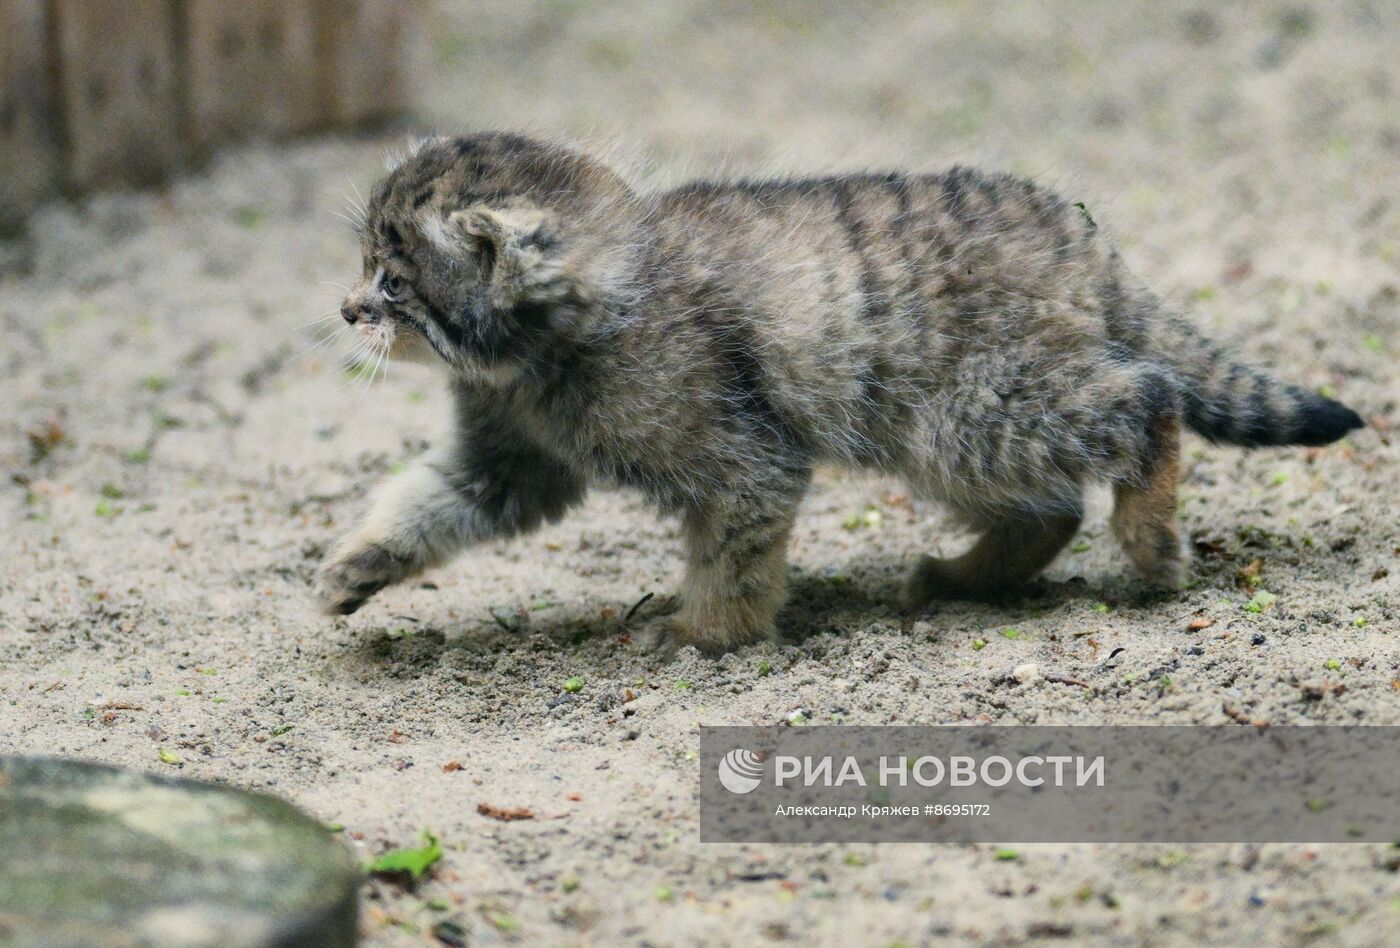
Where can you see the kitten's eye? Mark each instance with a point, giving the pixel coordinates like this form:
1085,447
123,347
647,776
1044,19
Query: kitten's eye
392,287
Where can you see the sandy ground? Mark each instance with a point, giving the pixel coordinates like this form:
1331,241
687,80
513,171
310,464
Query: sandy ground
177,462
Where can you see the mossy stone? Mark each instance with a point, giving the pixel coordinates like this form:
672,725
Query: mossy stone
96,855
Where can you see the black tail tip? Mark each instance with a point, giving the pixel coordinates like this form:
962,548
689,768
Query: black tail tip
1322,420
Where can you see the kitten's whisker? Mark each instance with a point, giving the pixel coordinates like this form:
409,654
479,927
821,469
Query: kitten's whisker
363,205
325,341
323,318
349,201
353,362
324,333
355,225
356,354
369,377
321,343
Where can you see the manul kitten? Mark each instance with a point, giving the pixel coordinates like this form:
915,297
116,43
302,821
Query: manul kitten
967,332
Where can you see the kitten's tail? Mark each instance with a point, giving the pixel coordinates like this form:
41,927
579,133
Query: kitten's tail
1226,400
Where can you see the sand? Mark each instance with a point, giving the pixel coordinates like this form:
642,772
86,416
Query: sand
178,461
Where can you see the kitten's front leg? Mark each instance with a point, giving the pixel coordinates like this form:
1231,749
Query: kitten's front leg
735,578
416,520
431,511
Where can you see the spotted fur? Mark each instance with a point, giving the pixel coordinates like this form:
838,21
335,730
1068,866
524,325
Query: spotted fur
968,332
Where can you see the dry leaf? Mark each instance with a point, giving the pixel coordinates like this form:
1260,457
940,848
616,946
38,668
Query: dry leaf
505,814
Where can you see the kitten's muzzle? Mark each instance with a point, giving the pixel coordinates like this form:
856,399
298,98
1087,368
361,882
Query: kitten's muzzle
362,306
354,313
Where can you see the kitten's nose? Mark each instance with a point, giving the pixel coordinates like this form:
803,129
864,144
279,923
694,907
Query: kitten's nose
347,311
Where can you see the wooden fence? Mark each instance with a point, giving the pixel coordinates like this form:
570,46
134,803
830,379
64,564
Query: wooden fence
108,92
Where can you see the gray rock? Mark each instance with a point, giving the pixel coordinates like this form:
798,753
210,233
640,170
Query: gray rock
94,855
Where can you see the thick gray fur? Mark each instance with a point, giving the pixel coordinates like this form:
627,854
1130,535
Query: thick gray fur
970,333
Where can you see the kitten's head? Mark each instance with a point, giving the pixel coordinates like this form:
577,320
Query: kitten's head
486,251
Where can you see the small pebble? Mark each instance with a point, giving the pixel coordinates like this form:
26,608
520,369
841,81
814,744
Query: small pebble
1027,673
1258,639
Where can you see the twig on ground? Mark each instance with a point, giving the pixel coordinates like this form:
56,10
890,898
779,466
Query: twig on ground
637,605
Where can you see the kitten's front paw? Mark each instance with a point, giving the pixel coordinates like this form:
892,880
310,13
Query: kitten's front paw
350,576
659,638
667,636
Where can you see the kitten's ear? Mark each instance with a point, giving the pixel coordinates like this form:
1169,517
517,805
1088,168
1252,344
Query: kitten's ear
505,227
517,245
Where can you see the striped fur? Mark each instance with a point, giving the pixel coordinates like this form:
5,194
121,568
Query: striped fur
969,332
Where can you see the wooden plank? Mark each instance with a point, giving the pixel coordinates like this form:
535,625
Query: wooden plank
29,156
364,58
118,90
251,68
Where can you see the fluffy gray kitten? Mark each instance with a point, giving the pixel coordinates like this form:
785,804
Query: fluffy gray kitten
968,332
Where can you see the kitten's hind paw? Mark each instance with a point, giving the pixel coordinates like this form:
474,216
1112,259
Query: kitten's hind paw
941,580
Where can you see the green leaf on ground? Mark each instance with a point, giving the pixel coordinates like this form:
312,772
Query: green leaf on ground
503,922
1260,601
413,861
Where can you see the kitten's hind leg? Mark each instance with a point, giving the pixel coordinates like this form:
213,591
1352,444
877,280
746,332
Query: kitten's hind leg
1144,510
1011,551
